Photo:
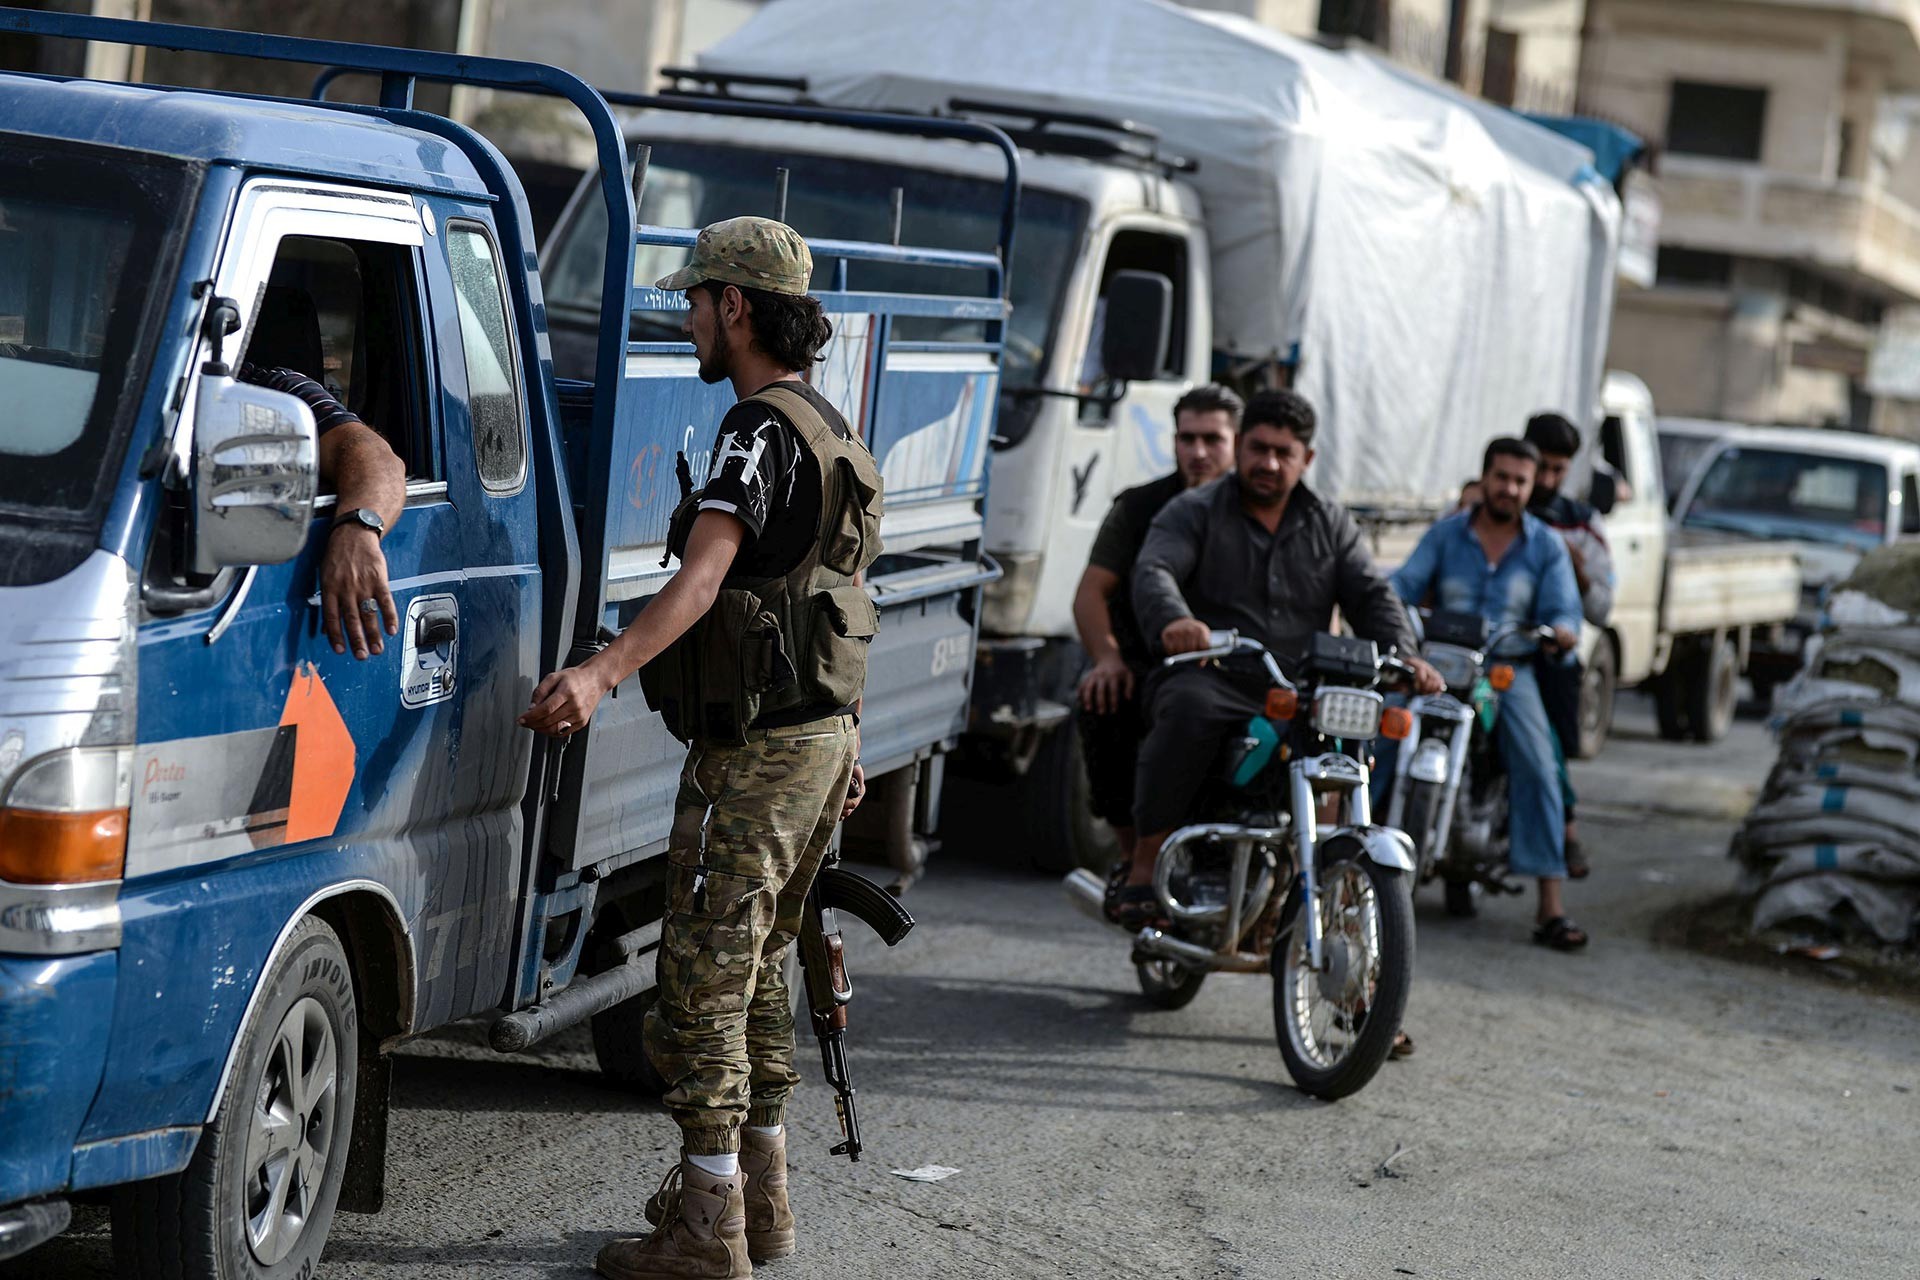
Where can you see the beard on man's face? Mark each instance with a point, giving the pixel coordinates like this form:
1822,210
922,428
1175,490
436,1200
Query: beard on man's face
717,364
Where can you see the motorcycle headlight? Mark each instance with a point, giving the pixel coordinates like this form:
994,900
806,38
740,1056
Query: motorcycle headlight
1347,713
1455,665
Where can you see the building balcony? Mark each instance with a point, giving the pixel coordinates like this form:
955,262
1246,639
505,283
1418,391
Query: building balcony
1856,230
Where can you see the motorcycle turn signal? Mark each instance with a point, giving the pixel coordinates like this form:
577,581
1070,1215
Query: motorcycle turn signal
1501,677
1396,723
1282,704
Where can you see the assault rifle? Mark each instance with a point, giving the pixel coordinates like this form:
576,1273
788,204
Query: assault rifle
823,961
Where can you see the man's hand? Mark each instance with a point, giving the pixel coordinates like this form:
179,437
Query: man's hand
1565,640
565,700
1106,687
353,572
856,791
1425,678
1186,635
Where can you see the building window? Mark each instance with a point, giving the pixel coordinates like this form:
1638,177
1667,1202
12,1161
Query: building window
1500,67
1696,268
1368,20
1716,120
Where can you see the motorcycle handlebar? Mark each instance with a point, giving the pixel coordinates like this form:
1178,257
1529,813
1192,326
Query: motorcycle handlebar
1226,644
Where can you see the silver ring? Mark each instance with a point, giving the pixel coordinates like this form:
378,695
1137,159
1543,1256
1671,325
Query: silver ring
369,605
566,726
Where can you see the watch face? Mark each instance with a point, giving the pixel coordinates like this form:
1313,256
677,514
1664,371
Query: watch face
371,520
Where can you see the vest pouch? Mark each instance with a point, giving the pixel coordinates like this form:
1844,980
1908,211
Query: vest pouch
708,684
844,624
850,537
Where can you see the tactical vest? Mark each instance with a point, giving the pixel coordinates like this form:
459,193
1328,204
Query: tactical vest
770,645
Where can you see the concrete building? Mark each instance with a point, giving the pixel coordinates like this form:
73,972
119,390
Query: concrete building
1519,53
1790,190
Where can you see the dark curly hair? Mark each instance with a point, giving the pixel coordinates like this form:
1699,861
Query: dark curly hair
1553,433
789,329
1288,410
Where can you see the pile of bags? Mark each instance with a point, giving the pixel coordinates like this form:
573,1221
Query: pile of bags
1835,838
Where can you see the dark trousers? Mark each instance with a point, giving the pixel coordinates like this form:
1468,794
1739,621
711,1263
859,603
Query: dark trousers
1560,690
1190,712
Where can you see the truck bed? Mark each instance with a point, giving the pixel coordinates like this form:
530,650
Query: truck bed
1715,582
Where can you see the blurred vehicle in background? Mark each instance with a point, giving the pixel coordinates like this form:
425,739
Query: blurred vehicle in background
1684,442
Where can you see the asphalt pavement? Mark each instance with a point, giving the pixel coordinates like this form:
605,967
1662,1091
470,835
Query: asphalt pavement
1634,1111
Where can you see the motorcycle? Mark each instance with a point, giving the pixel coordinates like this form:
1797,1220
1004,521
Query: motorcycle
1449,788
1257,883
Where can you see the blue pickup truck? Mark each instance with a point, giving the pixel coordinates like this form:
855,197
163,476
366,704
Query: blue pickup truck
237,869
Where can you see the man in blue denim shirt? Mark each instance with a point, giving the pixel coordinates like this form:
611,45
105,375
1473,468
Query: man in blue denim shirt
1495,560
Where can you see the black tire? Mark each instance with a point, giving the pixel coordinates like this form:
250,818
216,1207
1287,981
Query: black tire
1419,812
1598,684
1670,702
1460,903
195,1223
1056,810
1167,984
1714,694
620,1046
1388,1005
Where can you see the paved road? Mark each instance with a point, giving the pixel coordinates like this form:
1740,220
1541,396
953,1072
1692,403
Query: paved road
1632,1112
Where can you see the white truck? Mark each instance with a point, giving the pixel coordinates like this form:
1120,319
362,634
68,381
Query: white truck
1831,495
1427,269
1692,606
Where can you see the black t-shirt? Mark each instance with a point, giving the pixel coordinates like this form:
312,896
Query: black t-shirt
1117,546
763,473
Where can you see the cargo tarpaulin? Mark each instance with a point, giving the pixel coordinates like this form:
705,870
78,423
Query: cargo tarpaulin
1445,266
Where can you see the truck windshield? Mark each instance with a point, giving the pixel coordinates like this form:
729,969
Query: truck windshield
83,233
1777,493
691,185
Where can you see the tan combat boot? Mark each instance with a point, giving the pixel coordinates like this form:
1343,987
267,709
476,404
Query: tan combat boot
763,1160
702,1233
763,1164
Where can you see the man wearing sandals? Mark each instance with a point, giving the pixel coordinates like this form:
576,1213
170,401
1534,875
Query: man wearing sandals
1495,560
771,551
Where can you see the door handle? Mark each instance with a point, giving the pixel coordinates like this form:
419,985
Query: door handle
435,629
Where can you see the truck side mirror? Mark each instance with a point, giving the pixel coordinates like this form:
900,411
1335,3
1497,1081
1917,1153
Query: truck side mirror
255,475
1604,492
1139,324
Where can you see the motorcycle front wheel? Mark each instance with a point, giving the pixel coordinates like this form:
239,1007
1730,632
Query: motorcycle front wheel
1336,1026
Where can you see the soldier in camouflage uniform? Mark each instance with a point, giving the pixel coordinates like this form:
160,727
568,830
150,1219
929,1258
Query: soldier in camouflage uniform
755,654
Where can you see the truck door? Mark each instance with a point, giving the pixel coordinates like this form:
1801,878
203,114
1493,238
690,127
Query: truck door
263,754
1114,447
1637,535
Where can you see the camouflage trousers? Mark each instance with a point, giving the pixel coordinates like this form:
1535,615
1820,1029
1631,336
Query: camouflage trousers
750,828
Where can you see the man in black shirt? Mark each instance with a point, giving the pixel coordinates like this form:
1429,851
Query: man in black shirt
771,553
1204,423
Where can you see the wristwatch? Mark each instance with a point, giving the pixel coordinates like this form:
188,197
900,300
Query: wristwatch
364,518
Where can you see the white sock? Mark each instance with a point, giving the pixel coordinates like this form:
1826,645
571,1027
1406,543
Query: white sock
725,1166
765,1132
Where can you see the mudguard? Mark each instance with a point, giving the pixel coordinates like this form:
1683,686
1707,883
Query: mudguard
1384,845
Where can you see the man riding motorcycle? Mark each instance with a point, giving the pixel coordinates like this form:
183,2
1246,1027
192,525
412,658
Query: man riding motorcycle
1495,560
1580,526
1256,552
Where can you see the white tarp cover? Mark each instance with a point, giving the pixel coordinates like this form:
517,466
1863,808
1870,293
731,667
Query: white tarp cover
1445,266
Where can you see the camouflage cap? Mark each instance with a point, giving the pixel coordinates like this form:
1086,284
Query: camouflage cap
754,253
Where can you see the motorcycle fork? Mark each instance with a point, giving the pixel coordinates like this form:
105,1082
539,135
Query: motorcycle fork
1306,826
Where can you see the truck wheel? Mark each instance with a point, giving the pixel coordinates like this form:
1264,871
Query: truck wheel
1671,701
1597,687
621,1049
257,1199
1061,830
1714,693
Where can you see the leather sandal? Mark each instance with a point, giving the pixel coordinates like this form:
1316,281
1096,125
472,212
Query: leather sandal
1560,933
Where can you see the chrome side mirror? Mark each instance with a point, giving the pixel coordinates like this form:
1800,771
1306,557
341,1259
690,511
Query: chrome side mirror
255,476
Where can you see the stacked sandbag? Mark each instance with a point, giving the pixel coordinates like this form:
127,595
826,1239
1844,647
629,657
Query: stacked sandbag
1835,838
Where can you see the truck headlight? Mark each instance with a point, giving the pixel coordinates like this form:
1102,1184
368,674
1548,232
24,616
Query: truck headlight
65,817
